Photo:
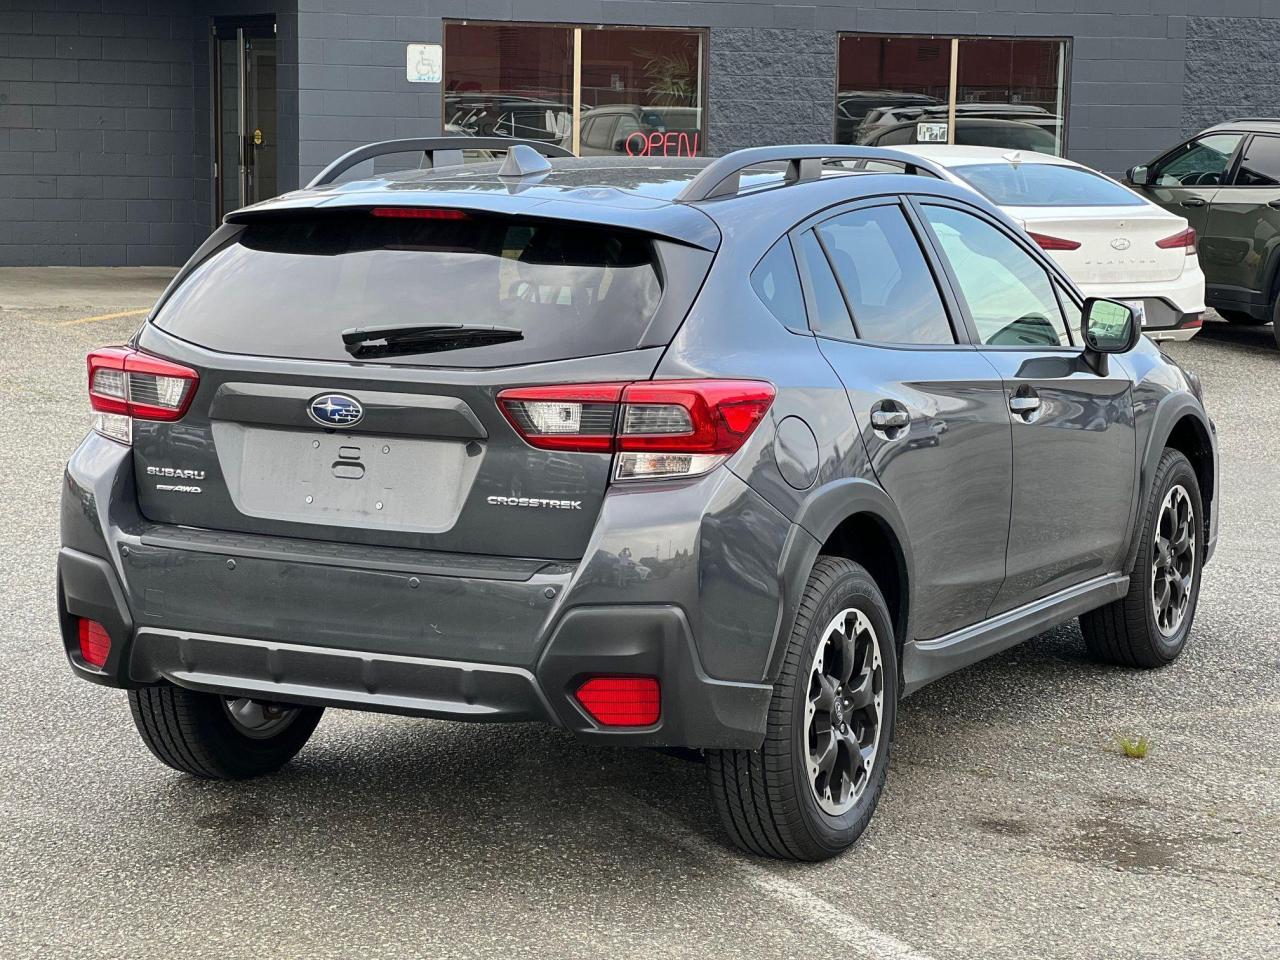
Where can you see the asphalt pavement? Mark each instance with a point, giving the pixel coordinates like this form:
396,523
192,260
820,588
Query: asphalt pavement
1013,826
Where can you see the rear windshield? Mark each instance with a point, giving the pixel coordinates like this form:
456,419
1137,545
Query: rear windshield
1045,185
290,287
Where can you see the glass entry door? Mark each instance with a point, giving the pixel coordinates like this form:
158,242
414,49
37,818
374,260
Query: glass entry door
245,123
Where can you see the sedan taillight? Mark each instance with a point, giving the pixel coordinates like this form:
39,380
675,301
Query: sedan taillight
1183,239
125,384
658,429
1046,242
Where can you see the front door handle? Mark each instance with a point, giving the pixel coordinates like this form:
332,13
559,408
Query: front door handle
1193,202
1274,204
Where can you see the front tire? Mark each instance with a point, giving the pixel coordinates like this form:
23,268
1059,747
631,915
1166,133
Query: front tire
811,789
217,737
1148,627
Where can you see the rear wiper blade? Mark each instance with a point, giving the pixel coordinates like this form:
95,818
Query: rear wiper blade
362,342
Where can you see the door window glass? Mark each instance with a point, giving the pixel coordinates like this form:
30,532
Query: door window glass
1199,163
776,282
1008,293
1260,165
831,316
885,278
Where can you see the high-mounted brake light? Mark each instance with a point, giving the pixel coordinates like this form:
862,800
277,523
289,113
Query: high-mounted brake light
125,385
657,428
419,213
1183,239
622,701
1046,242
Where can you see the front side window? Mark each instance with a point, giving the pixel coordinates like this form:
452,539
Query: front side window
1260,165
1009,295
1200,163
885,278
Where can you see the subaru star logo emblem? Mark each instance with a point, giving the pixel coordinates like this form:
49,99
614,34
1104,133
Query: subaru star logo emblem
1120,243
335,410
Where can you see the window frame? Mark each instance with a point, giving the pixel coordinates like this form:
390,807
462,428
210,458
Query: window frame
946,294
1053,275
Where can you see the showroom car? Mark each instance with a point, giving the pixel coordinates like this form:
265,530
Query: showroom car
727,454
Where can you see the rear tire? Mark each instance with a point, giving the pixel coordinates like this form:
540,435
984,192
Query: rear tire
811,789
216,737
1148,627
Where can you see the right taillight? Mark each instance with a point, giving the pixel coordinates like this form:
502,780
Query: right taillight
1183,239
125,384
657,429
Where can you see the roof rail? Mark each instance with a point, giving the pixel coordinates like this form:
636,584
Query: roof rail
436,151
721,177
1253,120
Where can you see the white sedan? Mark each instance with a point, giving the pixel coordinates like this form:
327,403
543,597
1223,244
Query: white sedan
1112,242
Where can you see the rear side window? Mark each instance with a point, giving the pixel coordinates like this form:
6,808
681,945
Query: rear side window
777,283
289,287
1045,185
885,278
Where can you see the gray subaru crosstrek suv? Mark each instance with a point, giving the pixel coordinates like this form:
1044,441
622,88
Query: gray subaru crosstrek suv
730,455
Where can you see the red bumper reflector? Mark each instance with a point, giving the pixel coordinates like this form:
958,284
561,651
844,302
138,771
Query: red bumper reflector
95,642
622,701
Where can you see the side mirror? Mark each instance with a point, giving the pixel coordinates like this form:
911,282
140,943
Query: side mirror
1139,176
1107,326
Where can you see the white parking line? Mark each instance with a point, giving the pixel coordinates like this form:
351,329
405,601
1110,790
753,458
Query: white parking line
876,944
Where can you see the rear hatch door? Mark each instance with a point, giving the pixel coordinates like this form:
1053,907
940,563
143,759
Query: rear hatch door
387,440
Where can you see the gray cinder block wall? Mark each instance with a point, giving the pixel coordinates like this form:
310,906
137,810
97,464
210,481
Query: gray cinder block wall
104,104
95,132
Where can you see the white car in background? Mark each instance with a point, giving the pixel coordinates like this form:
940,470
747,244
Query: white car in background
1111,241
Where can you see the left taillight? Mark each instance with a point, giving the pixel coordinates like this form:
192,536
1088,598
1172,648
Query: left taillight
125,385
1184,239
1046,242
657,429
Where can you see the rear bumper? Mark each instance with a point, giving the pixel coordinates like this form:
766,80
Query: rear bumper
697,710
440,635
1173,310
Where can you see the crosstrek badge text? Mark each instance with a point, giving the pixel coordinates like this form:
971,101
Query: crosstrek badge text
535,502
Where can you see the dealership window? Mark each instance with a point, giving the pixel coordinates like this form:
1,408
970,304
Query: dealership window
594,90
995,92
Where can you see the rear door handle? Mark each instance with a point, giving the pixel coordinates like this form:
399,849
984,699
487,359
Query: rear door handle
1193,202
1025,404
888,416
1274,204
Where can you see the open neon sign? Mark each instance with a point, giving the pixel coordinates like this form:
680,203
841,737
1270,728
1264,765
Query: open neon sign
671,143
